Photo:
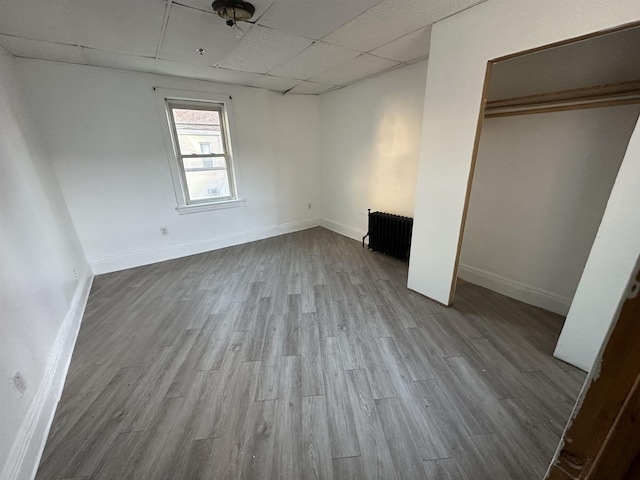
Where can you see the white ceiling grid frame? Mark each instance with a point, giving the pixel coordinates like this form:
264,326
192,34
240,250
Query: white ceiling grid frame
179,44
313,18
316,59
235,77
279,84
163,36
122,26
163,31
263,49
409,48
203,72
358,68
310,88
57,52
37,20
391,19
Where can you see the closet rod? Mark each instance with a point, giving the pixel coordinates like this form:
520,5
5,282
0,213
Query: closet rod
623,93
562,108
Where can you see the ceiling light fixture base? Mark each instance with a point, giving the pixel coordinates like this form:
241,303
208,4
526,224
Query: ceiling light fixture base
233,10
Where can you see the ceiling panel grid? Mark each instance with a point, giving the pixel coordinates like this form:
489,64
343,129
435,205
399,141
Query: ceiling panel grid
296,46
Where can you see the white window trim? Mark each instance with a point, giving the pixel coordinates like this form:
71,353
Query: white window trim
182,207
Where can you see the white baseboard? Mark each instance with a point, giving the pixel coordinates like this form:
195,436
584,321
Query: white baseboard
514,289
138,259
342,229
27,449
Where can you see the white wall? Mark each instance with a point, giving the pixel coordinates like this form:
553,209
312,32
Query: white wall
103,132
369,144
540,188
461,45
611,263
39,304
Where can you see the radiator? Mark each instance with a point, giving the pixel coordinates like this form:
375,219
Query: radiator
389,234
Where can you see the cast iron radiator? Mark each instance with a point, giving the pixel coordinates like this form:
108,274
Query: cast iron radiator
390,234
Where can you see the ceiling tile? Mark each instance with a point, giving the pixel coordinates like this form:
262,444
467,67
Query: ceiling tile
316,59
188,70
203,72
123,26
407,48
310,88
233,76
125,34
313,18
263,49
205,5
189,29
23,47
102,58
278,84
36,19
359,67
391,19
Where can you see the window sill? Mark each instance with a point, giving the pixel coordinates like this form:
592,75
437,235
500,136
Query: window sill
185,209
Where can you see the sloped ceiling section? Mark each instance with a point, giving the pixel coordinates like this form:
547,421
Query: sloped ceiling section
298,46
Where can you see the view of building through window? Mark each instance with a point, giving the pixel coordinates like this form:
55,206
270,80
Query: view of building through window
202,154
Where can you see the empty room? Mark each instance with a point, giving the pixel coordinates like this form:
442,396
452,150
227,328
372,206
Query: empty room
292,239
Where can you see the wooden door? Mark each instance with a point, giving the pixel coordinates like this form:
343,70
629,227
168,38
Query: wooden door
602,441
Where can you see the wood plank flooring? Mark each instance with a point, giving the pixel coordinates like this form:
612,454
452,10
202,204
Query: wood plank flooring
304,356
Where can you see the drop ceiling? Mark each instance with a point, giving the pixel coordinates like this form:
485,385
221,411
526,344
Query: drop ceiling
298,46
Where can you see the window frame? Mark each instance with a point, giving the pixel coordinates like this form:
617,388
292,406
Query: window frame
181,157
166,99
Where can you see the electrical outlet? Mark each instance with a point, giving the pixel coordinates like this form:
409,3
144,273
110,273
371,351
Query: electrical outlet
164,231
75,273
19,383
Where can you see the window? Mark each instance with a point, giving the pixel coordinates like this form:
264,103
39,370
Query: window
204,162
206,148
201,160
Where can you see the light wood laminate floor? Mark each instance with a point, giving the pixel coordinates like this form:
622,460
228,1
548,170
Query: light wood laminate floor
304,356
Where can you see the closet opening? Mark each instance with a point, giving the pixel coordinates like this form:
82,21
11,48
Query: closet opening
551,139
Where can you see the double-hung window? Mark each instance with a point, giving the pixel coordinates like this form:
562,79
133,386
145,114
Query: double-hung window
203,164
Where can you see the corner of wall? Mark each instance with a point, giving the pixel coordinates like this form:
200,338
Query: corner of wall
29,444
370,140
342,229
514,289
